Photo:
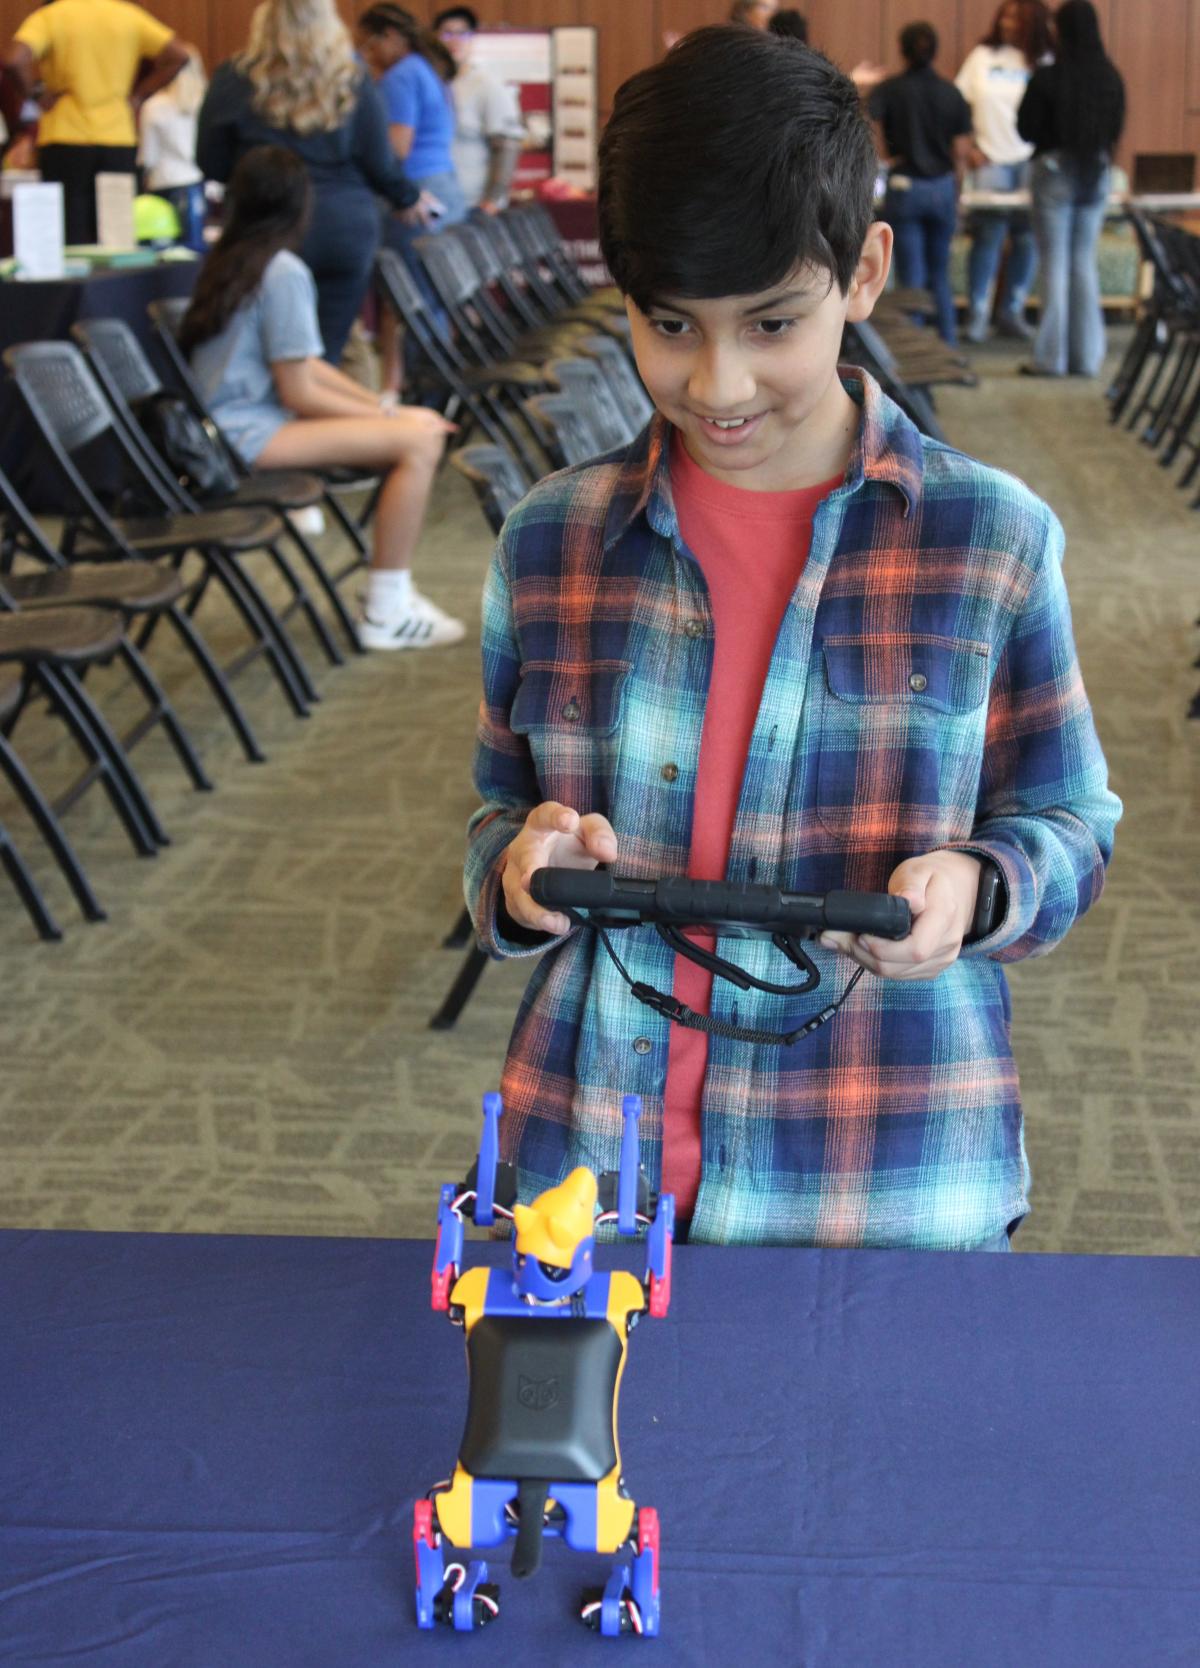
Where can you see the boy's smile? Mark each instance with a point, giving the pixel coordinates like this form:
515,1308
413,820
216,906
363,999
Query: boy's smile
750,381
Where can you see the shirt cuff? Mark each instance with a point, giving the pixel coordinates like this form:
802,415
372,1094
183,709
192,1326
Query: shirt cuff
1020,888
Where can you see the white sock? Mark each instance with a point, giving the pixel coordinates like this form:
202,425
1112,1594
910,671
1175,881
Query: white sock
389,593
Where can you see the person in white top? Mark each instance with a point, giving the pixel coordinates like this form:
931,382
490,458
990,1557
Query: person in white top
167,147
488,131
993,80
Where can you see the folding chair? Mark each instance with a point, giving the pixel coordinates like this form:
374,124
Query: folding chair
496,481
566,431
83,441
462,392
126,377
133,590
587,386
50,647
167,317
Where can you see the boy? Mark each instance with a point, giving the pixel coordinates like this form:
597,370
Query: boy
783,638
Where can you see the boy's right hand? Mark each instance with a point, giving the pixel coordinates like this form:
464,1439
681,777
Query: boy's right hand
554,836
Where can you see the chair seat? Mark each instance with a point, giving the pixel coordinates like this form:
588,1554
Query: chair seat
519,375
232,529
344,477
278,489
60,634
133,587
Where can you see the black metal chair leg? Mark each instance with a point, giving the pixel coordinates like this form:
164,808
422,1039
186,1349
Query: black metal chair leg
218,683
164,712
333,596
128,799
320,630
461,933
469,973
264,627
26,887
49,828
344,520
283,637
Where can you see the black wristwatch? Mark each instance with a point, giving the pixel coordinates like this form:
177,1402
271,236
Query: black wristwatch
991,902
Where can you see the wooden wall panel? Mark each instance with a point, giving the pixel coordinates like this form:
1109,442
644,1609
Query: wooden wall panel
628,42
1193,56
848,31
1148,44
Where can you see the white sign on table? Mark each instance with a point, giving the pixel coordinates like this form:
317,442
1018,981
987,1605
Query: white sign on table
38,219
114,211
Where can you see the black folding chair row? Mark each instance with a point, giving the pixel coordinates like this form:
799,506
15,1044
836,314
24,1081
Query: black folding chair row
1157,386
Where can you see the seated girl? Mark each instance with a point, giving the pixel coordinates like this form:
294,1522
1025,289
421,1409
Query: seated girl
252,336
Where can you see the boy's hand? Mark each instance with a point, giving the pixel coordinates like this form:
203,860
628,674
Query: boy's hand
941,889
554,836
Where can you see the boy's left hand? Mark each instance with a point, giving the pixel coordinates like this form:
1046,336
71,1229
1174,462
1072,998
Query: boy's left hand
941,889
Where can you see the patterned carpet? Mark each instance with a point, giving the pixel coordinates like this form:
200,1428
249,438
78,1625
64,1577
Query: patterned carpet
243,1046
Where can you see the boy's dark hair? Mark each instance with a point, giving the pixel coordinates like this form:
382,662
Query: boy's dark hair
451,13
918,45
790,23
267,207
736,159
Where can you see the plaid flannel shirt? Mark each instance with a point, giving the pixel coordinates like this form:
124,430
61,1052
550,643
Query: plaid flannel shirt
924,693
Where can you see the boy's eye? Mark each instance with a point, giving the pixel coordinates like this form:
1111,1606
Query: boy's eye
775,327
671,328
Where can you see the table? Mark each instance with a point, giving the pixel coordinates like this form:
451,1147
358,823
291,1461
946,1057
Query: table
45,311
210,1448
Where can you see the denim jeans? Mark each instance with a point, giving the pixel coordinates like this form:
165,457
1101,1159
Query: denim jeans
989,228
1068,213
923,215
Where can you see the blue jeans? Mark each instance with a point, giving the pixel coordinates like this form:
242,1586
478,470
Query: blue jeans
923,215
989,228
1068,211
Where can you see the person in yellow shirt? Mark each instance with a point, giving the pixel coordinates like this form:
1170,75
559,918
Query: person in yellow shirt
80,59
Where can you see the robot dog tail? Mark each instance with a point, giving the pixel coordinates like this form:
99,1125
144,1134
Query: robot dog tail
527,1554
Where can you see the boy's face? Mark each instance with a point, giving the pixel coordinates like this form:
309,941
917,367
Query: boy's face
750,381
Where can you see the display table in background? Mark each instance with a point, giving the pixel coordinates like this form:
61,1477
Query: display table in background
45,311
209,1450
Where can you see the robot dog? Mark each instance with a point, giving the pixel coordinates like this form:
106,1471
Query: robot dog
546,1344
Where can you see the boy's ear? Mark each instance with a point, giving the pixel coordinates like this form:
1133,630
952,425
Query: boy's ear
870,275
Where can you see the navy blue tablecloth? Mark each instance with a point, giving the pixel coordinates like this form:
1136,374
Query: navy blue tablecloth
45,311
209,1450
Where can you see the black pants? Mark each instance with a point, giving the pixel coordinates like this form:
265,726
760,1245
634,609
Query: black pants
75,168
339,249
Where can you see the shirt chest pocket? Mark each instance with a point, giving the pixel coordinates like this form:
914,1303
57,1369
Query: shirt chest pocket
902,728
570,714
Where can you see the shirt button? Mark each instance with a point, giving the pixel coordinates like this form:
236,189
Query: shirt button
670,772
642,1045
694,628
571,711
918,682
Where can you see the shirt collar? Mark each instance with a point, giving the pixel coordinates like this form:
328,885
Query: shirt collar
887,448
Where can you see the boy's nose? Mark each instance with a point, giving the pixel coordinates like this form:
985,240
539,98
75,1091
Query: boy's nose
720,383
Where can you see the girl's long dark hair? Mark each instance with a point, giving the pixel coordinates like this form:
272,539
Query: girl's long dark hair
1088,87
267,207
378,19
1036,37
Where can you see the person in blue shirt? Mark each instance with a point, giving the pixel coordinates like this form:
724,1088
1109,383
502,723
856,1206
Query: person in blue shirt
412,70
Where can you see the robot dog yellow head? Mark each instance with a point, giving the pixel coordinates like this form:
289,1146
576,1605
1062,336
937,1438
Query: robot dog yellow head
551,1228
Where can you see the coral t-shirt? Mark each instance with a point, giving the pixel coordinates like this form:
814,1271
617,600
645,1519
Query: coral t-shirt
751,547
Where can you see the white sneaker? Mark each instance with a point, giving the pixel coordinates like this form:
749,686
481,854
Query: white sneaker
310,520
423,626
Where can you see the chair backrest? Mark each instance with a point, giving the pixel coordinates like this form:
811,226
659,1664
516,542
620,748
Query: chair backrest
480,249
587,385
626,385
61,393
112,343
497,482
564,429
402,288
101,465
450,271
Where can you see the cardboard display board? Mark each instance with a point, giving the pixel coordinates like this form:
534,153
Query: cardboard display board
553,74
